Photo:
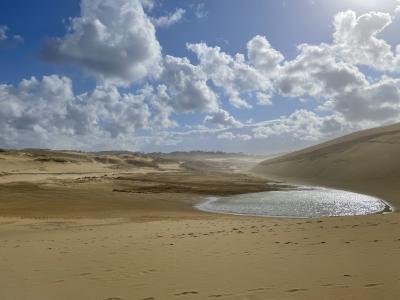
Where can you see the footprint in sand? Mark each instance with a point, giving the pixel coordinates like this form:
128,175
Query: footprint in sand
337,285
258,289
59,281
297,290
369,285
187,293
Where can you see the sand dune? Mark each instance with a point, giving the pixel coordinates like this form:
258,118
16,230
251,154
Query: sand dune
367,161
67,184
121,226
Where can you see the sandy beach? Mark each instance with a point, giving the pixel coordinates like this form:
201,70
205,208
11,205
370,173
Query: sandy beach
102,232
201,258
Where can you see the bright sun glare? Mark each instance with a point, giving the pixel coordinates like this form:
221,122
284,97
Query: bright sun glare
375,4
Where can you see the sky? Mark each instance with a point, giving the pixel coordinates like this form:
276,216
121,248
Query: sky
260,76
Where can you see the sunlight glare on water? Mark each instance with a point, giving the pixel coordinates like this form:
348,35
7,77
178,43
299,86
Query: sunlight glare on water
299,203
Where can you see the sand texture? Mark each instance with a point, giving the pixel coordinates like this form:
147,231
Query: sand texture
122,226
201,258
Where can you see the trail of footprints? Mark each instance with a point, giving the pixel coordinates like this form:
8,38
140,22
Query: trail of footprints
253,291
253,229
273,230
238,230
250,292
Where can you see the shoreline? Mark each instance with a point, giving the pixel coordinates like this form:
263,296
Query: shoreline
372,188
387,207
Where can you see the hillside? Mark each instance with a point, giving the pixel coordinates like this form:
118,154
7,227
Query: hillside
367,161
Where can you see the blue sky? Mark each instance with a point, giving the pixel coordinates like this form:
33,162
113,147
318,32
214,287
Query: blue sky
90,95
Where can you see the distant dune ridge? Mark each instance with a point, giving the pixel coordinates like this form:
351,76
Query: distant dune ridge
367,161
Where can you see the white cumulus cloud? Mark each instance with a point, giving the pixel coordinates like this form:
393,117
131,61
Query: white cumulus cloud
46,112
222,118
234,75
169,20
113,39
356,39
187,87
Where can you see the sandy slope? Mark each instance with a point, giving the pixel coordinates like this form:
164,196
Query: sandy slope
366,161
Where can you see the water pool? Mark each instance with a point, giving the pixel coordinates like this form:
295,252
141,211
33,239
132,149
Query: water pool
301,202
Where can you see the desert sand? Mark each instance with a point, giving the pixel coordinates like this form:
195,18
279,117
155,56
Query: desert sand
121,226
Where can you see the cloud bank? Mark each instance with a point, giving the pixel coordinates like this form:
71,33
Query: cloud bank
115,42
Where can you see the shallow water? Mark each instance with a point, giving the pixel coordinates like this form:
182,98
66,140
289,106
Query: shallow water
304,202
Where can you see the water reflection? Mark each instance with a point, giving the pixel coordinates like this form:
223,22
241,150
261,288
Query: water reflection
304,202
